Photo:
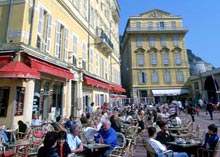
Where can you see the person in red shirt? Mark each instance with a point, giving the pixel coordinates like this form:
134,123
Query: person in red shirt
62,145
104,107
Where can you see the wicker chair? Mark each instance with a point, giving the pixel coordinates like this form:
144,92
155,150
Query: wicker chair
151,152
209,153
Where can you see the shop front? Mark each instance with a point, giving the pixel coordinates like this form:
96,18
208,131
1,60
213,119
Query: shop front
30,85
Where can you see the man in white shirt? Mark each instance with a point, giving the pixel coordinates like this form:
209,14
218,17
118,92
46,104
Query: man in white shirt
75,144
35,121
159,148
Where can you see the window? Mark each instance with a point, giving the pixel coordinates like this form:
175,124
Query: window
152,41
173,24
153,58
150,25
196,85
179,76
178,58
75,43
138,25
163,41
61,42
165,58
90,60
4,97
19,100
175,40
85,8
141,60
142,77
84,55
155,77
106,71
161,25
44,30
97,63
102,67
139,41
167,77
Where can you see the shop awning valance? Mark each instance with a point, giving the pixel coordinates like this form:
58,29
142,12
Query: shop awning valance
169,92
94,82
51,69
118,88
18,69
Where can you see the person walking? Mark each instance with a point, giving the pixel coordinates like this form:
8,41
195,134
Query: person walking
210,108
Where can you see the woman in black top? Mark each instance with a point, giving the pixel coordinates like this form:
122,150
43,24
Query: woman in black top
50,146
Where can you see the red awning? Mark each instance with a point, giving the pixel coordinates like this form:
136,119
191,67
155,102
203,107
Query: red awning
4,59
118,88
18,69
94,82
51,69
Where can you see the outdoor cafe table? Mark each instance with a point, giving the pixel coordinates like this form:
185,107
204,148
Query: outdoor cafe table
181,135
177,128
189,148
16,145
185,144
96,146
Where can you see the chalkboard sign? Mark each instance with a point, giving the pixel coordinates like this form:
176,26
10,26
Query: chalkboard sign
19,100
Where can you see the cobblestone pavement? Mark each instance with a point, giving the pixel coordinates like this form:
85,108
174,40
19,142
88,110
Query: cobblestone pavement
203,120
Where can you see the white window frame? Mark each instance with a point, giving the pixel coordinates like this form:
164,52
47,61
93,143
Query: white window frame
165,58
155,77
173,23
91,60
180,77
142,77
163,41
140,59
178,58
153,58
175,40
167,76
139,41
150,25
152,41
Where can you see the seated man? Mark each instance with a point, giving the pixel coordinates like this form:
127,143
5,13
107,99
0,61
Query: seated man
76,145
35,121
164,135
107,135
158,147
211,139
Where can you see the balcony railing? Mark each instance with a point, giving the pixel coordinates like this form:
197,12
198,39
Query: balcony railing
103,41
157,29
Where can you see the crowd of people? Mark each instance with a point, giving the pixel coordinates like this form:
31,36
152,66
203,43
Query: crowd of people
102,124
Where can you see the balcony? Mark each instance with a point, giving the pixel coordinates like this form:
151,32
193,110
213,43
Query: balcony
103,43
157,29
115,14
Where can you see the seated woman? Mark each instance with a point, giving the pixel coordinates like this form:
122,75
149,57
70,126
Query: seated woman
22,127
211,139
50,146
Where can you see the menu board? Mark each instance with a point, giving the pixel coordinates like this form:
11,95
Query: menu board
19,100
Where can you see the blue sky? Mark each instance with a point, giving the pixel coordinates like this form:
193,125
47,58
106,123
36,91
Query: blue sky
200,17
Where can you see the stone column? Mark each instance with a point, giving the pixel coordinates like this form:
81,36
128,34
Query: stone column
28,100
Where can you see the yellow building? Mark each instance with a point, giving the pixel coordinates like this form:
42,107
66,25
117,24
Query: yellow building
56,57
154,59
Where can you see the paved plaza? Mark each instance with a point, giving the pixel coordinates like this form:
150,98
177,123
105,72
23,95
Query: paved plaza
203,120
